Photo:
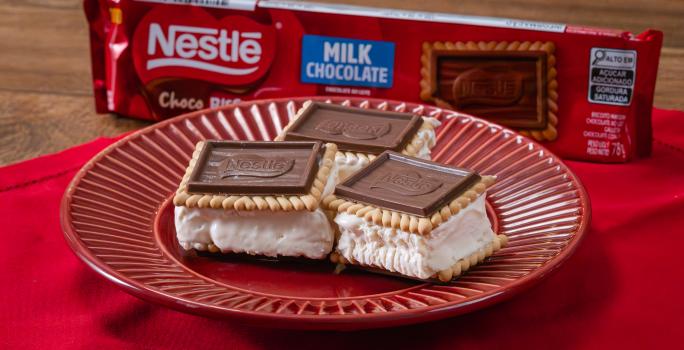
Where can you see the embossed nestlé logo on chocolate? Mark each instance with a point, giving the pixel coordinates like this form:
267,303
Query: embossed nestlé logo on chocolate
353,130
254,165
478,86
410,183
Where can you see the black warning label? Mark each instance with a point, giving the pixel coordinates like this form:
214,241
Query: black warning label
610,94
611,76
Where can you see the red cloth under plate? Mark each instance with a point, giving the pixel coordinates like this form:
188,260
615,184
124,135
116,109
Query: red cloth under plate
622,288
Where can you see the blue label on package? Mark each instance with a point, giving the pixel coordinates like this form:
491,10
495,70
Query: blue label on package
341,61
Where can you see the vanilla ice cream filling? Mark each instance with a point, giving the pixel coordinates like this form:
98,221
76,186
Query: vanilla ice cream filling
428,137
415,255
349,162
258,232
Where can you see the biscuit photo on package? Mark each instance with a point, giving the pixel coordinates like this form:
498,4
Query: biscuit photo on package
257,198
361,133
414,218
510,83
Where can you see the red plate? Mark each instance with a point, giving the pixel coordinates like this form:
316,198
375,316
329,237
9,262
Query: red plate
117,217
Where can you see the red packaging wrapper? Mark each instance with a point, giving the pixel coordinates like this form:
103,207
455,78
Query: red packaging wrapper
584,93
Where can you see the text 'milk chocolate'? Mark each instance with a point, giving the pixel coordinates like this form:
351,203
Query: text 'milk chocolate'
354,129
240,167
397,182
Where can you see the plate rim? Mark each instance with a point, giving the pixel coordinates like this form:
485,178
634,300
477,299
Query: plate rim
318,321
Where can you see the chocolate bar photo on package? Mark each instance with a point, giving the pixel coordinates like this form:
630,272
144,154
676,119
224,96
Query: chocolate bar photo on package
513,84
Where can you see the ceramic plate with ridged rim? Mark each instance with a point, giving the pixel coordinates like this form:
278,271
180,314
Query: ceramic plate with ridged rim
117,217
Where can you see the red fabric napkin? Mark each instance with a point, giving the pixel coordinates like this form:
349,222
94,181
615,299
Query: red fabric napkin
622,288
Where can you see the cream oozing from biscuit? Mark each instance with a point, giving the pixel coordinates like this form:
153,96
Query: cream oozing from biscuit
258,232
351,162
415,255
427,135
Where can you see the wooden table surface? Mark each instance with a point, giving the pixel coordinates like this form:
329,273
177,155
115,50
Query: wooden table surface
46,100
